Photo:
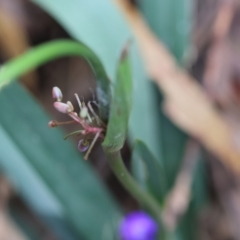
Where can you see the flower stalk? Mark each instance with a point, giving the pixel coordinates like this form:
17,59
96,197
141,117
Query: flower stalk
129,183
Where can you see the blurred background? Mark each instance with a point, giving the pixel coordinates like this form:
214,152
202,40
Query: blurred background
40,199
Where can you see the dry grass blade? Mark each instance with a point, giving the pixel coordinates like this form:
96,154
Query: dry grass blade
179,197
8,231
185,101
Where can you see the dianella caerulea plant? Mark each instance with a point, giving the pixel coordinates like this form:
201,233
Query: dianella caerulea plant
115,72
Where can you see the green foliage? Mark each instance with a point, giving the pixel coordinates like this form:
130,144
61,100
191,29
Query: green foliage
148,172
120,106
89,22
52,50
47,52
173,142
85,22
145,120
49,173
171,20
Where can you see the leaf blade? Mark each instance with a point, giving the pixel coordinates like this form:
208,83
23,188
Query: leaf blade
148,172
60,167
120,107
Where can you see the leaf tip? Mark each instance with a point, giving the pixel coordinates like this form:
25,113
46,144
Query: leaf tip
125,50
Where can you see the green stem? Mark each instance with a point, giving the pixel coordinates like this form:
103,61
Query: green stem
116,163
47,52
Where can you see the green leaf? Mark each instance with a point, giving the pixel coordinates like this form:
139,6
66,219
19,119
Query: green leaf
145,120
148,172
120,106
50,51
173,142
47,52
122,89
89,22
171,20
49,173
84,29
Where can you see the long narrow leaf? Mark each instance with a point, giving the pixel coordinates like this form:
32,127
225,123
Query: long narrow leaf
148,172
120,106
48,172
89,22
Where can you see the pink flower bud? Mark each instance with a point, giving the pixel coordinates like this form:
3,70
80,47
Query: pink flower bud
62,107
57,94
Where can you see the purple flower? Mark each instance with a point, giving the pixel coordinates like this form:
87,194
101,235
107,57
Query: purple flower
83,145
138,226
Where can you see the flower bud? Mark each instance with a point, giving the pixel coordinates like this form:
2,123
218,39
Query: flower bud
57,94
138,226
62,107
84,112
53,124
83,145
70,106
